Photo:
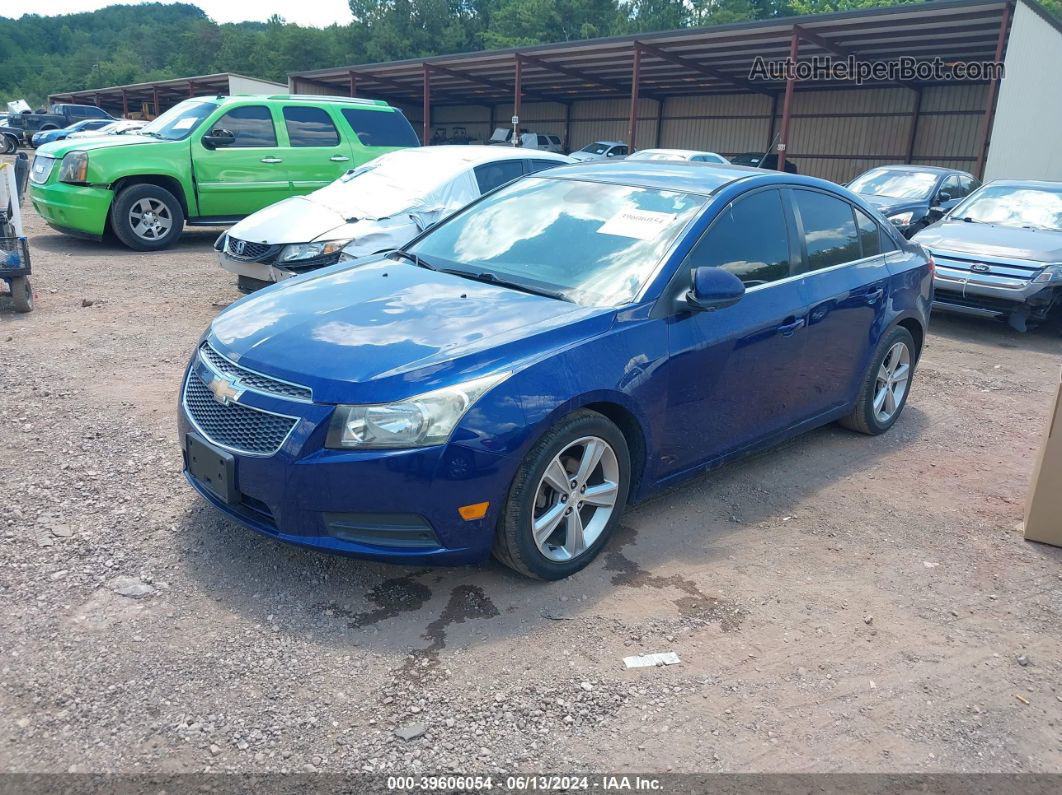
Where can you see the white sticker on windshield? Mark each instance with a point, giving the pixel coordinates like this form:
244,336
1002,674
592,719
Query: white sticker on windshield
639,224
185,123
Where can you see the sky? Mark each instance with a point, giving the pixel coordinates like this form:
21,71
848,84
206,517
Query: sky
318,13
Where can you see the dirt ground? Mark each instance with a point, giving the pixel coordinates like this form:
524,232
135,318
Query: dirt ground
843,603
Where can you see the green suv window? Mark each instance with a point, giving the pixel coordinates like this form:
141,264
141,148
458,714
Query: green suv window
310,127
377,128
252,125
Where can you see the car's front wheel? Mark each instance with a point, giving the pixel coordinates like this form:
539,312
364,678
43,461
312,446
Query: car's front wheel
566,498
8,144
147,217
886,384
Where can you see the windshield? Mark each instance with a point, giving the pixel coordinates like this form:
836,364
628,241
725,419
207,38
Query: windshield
1038,208
595,149
178,122
594,243
895,184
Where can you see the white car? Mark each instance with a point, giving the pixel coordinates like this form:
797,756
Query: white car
119,127
379,206
600,150
503,136
691,155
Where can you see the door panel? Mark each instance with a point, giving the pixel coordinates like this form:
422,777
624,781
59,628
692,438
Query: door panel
731,371
246,176
847,292
316,153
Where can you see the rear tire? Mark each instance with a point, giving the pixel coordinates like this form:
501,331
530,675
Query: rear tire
147,217
886,385
22,294
10,144
592,454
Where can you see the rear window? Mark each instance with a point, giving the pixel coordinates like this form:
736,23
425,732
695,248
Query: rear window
380,127
310,127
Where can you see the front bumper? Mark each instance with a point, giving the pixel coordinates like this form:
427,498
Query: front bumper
997,289
74,209
262,271
346,502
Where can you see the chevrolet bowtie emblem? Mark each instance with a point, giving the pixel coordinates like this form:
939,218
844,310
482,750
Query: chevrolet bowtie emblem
224,390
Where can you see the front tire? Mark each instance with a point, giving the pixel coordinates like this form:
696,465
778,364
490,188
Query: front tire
566,499
147,217
886,384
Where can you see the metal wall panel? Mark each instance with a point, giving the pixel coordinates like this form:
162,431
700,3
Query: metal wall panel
1028,120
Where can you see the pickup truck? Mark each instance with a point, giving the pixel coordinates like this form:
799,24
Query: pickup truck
59,115
208,160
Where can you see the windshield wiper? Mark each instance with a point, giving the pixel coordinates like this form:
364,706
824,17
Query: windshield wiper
970,220
492,278
415,259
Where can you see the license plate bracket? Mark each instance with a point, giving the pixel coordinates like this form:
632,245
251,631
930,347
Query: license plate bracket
212,468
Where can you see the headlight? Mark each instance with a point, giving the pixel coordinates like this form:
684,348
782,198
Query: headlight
301,251
418,421
219,244
74,167
902,219
1052,273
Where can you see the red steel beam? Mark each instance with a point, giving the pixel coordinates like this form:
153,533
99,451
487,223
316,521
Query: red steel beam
632,124
912,133
353,77
426,108
155,98
125,104
993,95
518,89
787,105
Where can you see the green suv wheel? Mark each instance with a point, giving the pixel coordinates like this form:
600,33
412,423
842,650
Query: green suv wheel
147,217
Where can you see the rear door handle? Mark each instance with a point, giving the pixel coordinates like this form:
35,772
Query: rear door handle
339,158
787,329
271,160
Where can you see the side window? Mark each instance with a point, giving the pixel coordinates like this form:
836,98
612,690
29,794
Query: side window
540,165
830,236
869,234
252,125
543,141
951,187
618,151
750,239
494,175
310,127
380,127
968,185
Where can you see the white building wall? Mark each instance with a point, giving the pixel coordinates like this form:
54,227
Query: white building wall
238,84
1028,123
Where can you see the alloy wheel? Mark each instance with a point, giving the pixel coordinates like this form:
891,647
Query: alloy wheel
891,384
575,499
150,219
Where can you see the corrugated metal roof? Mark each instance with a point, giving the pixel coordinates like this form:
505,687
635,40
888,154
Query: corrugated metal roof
684,62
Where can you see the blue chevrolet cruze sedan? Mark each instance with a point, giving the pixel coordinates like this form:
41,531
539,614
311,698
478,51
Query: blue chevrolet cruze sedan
568,344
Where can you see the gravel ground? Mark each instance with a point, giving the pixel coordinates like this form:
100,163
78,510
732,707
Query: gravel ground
843,603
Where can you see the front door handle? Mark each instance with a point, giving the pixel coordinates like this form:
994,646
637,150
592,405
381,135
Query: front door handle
339,158
873,296
271,160
791,325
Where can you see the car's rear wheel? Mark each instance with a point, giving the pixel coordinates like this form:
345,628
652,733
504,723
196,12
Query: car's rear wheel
147,217
566,498
886,384
9,144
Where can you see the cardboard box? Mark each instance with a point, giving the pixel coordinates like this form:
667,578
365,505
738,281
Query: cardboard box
1043,508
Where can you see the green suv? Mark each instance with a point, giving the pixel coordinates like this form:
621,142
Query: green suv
208,160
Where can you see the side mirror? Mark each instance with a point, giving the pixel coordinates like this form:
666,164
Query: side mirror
218,138
943,196
713,288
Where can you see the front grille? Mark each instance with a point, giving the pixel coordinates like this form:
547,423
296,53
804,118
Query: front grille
233,425
41,169
975,301
248,250
251,380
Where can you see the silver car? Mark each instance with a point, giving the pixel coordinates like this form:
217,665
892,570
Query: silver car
377,207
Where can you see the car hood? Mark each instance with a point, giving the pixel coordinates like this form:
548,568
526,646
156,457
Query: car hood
992,241
58,149
381,330
294,220
887,206
582,157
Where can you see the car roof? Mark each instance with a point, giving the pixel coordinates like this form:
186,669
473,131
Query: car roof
916,168
682,175
679,152
609,143
1038,184
312,99
474,154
